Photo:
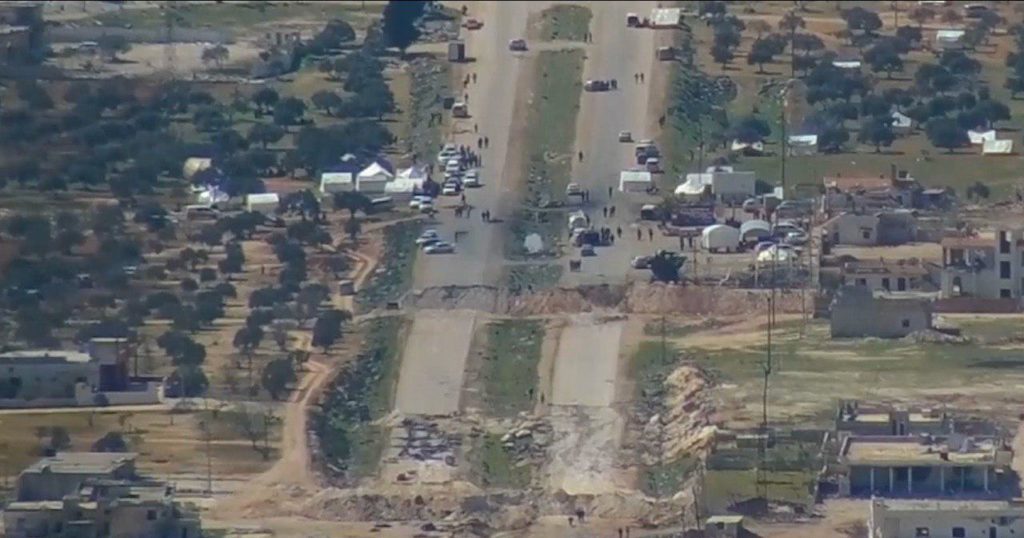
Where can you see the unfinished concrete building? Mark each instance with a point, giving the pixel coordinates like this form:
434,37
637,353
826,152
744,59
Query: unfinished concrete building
925,465
858,312
854,418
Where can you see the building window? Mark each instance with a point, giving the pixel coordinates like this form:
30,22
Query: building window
906,323
922,531
885,283
1004,293
1004,243
958,532
865,233
862,282
901,284
1004,269
151,515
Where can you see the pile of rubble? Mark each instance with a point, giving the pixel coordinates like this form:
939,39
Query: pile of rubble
528,441
424,441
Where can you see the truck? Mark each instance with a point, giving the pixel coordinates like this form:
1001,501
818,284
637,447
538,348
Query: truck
460,110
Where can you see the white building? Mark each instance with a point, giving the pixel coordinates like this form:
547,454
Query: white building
950,38
265,203
666,18
913,518
332,182
725,186
635,181
985,267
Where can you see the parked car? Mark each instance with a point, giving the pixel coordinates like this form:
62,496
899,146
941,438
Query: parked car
653,165
439,248
517,45
587,250
427,206
473,24
796,238
573,189
625,136
450,188
428,236
597,85
417,200
791,209
641,262
471,178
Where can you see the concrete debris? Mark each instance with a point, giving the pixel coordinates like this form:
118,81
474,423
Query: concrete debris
935,337
421,440
528,441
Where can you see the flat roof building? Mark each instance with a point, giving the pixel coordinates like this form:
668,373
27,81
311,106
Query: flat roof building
923,465
51,478
913,518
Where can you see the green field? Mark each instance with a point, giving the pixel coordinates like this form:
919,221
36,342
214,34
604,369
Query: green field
494,465
563,22
510,365
531,277
399,259
240,14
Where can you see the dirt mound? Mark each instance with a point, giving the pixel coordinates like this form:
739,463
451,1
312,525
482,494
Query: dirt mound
687,422
658,298
568,300
629,505
482,298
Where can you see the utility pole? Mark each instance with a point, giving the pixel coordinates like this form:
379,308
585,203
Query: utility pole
209,461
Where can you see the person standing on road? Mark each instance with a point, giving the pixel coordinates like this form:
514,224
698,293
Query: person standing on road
474,78
605,211
611,212
487,142
641,78
650,234
475,128
479,143
610,192
639,235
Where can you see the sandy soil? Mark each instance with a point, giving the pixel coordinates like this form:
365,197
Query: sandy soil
434,361
586,363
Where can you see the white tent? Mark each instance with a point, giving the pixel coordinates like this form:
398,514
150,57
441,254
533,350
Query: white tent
949,38
719,237
635,181
666,17
997,147
336,182
755,230
194,165
901,120
748,147
802,145
695,185
980,137
264,203
847,64
373,179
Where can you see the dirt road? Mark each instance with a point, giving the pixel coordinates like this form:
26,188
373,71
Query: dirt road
434,362
616,53
588,429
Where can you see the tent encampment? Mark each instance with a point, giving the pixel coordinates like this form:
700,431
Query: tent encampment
720,237
373,179
331,182
695,186
997,147
635,181
901,120
748,148
776,254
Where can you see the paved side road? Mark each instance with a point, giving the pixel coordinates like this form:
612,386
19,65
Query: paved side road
434,362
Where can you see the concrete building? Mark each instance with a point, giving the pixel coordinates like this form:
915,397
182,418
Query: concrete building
986,267
59,378
914,518
53,477
904,466
858,312
265,203
729,526
854,418
886,228
94,495
881,275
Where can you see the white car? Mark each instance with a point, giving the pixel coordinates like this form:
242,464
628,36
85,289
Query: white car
625,136
427,206
471,178
450,189
573,189
453,167
445,155
439,248
796,238
427,237
418,200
